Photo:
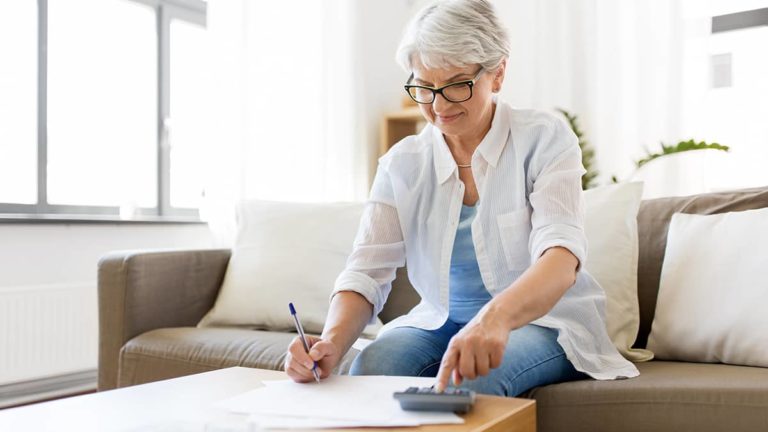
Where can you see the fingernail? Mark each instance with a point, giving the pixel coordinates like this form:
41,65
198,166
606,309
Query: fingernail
309,365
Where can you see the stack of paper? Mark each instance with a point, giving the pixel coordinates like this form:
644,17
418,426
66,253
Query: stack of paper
338,401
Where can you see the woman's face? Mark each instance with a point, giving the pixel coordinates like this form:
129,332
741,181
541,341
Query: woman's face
468,119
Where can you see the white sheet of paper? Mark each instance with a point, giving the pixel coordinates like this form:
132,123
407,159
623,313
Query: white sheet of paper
338,401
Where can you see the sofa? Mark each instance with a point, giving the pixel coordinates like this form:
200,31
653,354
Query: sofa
151,301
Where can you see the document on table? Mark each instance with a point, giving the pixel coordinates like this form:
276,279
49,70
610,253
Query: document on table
338,401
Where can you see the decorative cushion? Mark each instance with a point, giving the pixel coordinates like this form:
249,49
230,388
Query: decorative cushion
611,229
653,224
285,252
713,292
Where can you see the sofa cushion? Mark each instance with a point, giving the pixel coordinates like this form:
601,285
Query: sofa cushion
174,352
712,302
653,223
667,396
285,252
610,224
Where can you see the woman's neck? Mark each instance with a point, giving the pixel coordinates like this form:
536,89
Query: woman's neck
464,145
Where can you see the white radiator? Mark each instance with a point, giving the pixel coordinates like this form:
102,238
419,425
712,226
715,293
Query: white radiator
47,331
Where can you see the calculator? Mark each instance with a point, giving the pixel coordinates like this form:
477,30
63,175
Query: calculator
429,399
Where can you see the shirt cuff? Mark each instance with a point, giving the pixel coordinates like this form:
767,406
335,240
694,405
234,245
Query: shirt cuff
560,235
363,285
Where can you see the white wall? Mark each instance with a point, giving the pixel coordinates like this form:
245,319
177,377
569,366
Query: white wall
379,27
34,254
48,289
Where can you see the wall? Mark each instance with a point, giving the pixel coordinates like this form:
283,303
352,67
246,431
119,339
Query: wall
59,261
379,26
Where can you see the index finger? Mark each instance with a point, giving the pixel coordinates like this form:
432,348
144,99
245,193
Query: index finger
450,358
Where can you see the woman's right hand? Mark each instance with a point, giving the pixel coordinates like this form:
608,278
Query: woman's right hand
298,364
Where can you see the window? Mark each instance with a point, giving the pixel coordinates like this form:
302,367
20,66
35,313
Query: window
725,90
109,77
737,46
102,103
186,132
18,102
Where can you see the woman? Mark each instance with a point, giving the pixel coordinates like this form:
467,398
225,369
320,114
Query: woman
485,206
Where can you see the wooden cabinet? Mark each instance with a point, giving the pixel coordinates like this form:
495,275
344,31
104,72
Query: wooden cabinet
398,125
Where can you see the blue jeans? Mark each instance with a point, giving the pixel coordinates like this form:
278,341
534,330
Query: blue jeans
532,358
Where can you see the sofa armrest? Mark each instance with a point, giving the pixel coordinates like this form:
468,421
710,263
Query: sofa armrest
140,291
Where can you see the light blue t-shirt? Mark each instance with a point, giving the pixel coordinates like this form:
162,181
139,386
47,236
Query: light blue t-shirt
467,291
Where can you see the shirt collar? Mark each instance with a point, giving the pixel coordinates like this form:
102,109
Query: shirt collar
490,147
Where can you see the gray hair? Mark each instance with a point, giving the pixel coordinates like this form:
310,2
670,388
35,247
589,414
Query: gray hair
454,33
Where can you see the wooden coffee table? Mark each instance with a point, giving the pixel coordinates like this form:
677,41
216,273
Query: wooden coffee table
185,405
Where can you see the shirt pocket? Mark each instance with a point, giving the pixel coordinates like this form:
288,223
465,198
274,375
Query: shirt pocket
515,230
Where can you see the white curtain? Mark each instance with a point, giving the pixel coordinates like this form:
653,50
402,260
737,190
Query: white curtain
285,94
640,72
286,116
616,64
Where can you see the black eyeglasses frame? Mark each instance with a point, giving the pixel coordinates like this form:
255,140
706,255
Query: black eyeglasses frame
439,90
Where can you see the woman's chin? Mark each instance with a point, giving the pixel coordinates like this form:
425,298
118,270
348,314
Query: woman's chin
452,127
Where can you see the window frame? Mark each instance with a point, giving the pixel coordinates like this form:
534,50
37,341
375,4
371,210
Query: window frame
192,11
740,20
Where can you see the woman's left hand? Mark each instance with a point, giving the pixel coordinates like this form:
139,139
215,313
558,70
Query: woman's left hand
473,351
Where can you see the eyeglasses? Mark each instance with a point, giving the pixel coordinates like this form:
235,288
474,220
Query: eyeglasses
455,92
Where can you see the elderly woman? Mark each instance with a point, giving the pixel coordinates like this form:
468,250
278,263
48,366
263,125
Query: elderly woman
485,206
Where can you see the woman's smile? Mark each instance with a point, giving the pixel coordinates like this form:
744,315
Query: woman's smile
446,119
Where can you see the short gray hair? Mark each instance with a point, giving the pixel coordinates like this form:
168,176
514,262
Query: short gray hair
454,33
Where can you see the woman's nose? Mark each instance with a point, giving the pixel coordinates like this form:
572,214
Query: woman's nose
440,104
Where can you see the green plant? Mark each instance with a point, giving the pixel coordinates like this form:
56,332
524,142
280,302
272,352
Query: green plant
680,147
587,152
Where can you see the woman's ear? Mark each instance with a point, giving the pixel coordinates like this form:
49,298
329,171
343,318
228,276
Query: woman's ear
498,76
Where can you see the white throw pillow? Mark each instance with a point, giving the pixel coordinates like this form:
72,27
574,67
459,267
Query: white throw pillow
285,252
611,229
713,293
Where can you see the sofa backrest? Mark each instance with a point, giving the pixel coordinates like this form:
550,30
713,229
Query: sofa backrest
653,222
402,298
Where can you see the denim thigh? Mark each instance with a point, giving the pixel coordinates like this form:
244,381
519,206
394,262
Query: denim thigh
532,358
405,351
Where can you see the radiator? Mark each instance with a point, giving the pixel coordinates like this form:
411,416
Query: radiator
47,331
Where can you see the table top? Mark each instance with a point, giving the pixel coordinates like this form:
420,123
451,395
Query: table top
186,404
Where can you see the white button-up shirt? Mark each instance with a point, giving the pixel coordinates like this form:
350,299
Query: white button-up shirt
528,174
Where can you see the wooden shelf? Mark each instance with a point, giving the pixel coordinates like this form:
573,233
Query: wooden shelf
398,125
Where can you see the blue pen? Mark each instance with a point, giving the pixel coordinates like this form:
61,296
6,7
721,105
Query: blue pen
300,329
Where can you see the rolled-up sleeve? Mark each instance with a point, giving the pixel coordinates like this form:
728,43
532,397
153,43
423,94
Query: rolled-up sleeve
557,218
378,249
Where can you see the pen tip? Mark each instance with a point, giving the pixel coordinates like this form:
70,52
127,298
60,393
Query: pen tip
293,310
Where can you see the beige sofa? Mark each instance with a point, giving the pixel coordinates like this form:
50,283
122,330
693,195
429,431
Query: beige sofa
150,302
